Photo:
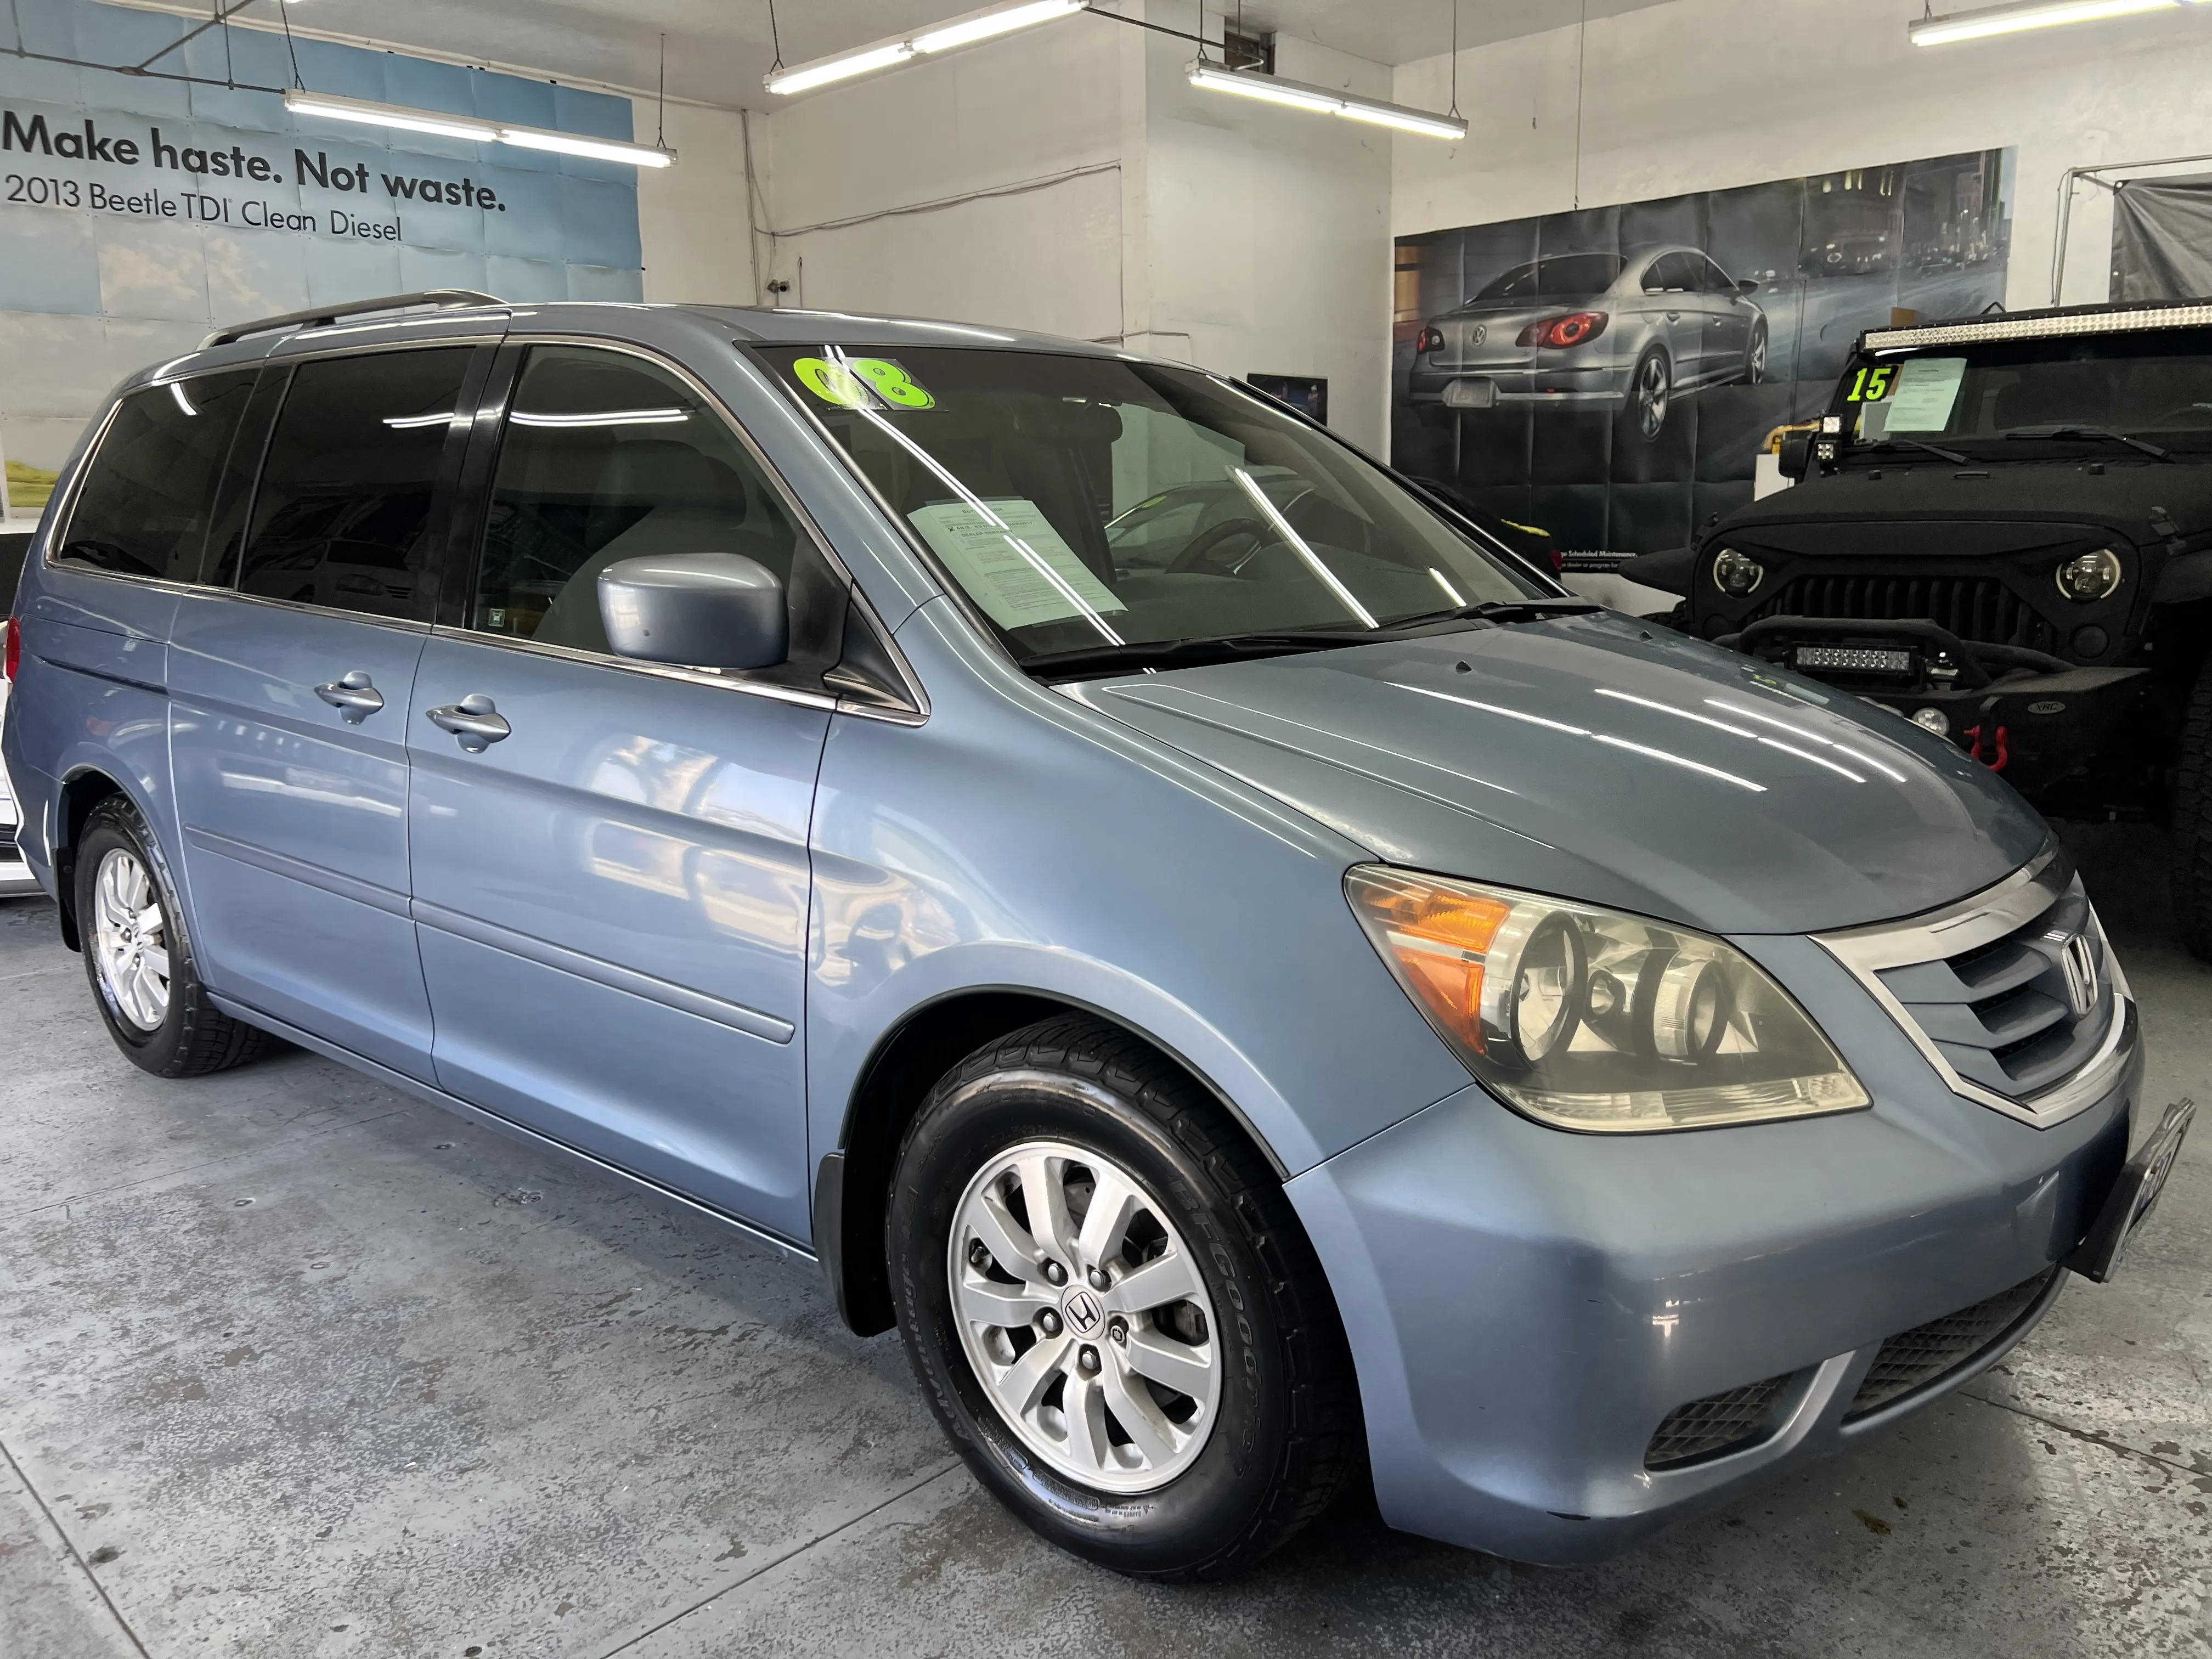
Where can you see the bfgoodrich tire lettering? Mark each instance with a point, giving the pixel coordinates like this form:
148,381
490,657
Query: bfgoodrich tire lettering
1284,1431
170,1028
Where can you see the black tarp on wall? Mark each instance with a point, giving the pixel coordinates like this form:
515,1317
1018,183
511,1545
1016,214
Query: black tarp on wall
2162,239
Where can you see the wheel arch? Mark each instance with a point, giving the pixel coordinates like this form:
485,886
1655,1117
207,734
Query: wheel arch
852,1180
81,790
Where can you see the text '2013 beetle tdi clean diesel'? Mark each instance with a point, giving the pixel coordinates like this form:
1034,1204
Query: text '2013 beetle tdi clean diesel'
1309,997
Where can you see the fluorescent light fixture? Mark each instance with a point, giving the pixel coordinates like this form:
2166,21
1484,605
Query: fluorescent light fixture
995,20
335,108
1326,100
599,149
332,107
962,31
2024,15
823,71
411,423
177,391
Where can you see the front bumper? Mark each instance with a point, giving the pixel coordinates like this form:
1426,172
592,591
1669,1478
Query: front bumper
1526,1306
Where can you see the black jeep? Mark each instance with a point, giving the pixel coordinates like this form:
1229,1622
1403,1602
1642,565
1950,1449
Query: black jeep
2002,529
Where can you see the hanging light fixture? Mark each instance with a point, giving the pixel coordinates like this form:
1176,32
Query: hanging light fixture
332,107
965,30
2023,15
1323,100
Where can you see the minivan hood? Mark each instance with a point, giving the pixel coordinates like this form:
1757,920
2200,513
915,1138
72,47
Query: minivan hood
1592,757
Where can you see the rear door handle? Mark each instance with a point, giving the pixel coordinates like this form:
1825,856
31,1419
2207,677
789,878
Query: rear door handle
473,721
352,696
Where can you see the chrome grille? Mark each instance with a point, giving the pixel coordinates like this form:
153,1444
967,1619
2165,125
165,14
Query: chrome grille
1975,608
1718,1423
1913,1358
2014,994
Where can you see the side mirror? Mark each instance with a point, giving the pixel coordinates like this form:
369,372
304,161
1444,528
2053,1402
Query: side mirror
702,610
1746,286
1796,454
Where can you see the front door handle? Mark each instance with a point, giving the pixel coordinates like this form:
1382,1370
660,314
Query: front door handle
473,721
1673,316
352,696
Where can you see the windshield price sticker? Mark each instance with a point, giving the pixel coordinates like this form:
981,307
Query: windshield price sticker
1925,390
1013,563
862,383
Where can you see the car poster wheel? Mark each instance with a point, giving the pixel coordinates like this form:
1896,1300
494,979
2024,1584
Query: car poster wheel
1650,396
1755,361
1083,1313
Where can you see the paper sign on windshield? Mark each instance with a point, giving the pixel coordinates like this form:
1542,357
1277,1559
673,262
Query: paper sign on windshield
1019,570
1926,389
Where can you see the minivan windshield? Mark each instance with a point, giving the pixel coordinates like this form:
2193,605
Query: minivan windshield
1096,504
2155,385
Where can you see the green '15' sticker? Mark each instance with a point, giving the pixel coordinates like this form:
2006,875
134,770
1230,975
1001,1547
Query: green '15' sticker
858,382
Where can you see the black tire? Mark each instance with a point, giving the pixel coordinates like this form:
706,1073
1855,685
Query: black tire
1651,395
194,1036
1288,1431
1754,355
2190,862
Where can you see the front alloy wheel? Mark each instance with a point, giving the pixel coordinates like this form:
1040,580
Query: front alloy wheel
1112,1308
1084,1316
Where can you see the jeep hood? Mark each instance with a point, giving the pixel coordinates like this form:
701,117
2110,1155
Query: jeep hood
1591,758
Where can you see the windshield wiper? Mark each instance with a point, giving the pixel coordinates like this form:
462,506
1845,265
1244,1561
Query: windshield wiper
1237,647
2104,431
1950,455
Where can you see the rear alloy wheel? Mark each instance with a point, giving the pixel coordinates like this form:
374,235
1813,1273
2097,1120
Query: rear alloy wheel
1649,391
2190,861
1113,1309
138,959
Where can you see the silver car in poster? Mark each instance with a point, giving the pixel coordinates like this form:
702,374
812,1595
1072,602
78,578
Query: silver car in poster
1625,332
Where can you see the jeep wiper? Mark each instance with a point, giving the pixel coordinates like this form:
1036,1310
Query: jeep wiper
1950,455
2104,432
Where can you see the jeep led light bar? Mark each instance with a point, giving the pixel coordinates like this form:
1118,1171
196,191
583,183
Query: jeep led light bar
2024,15
2040,328
1323,100
965,30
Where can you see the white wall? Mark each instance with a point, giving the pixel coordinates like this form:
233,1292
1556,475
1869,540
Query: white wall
692,217
1707,94
1267,243
1037,115
1069,179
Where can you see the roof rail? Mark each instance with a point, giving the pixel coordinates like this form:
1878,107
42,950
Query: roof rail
323,314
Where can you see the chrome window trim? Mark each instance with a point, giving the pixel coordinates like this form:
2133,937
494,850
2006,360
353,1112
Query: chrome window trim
1975,921
915,715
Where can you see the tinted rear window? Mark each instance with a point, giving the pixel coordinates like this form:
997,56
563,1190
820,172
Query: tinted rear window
342,517
143,509
1567,275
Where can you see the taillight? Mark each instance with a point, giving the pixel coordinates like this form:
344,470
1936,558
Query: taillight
1576,328
14,626
1430,340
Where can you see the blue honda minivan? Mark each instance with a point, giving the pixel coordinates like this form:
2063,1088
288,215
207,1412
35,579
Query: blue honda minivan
1262,993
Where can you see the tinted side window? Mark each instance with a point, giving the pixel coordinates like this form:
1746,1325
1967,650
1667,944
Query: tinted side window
607,457
144,510
1670,273
343,517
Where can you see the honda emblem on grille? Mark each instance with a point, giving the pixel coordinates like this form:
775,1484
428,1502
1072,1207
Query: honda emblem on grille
2079,959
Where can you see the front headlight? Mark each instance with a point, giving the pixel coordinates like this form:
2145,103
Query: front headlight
1589,1019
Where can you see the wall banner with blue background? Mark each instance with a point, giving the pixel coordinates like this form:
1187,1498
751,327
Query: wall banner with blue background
137,212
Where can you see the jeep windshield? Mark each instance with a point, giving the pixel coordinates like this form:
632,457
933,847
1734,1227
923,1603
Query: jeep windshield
2017,399
1104,513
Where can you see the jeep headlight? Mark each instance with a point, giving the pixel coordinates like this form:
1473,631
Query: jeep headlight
2091,576
1737,575
1585,1018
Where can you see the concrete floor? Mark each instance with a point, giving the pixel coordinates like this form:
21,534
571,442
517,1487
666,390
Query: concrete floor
292,1364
